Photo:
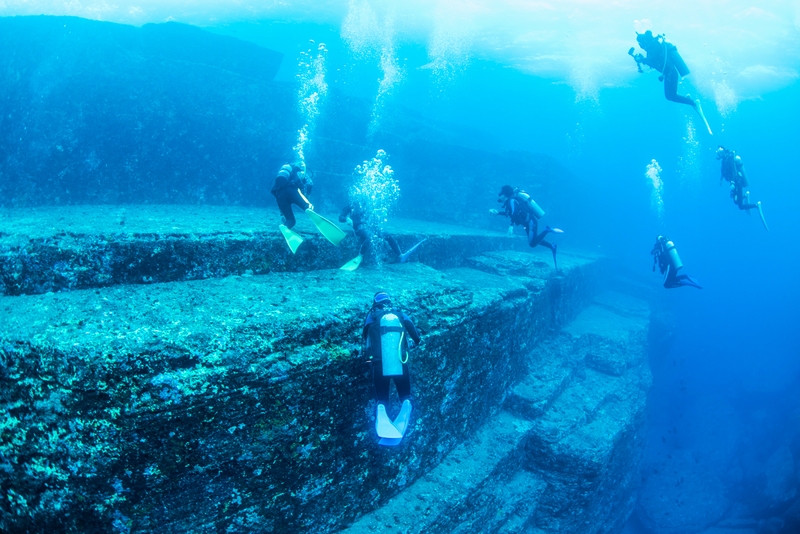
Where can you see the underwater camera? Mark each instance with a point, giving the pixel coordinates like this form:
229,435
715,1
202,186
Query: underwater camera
637,58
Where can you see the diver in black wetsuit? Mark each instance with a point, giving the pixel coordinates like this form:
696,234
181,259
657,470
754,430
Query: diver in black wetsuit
386,340
732,170
357,216
290,187
663,57
669,263
523,211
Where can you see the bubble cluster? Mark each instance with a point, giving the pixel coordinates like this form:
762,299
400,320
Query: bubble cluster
370,33
653,174
689,163
313,88
375,191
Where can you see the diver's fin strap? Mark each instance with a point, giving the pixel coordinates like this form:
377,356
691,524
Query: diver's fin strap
388,329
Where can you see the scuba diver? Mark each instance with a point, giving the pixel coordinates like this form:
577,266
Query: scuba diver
732,170
355,216
663,56
386,340
669,263
291,186
523,211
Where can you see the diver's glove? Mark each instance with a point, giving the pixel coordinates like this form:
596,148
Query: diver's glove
511,230
349,221
494,212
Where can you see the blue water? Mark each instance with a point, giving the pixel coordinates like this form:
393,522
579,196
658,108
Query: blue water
736,342
736,345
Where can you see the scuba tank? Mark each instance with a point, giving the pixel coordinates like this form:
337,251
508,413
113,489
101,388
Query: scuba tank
672,252
533,207
392,333
738,170
676,59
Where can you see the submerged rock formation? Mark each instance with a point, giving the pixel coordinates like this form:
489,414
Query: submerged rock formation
242,403
78,247
99,113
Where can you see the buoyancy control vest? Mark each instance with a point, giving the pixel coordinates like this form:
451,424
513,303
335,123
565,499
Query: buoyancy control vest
386,341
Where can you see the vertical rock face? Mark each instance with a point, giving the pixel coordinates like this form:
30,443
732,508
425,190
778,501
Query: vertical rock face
94,112
562,455
78,247
241,404
100,113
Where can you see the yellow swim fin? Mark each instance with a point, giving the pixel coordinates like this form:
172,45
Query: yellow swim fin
353,264
292,238
332,233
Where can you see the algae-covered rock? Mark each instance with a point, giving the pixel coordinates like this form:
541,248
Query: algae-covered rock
564,459
241,403
78,247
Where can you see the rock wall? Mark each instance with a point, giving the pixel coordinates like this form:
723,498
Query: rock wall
561,456
101,113
241,404
77,247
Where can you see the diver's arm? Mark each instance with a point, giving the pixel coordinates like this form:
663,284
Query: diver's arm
345,212
365,330
411,329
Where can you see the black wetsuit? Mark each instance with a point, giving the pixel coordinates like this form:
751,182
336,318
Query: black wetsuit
671,277
514,208
664,57
371,335
732,170
357,215
288,191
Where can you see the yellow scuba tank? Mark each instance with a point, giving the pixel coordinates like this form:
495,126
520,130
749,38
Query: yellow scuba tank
391,345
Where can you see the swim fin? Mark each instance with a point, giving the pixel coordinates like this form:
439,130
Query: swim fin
332,233
292,238
699,109
404,257
761,213
353,264
401,422
555,263
384,426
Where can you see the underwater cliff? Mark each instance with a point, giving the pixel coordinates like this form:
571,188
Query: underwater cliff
169,364
241,403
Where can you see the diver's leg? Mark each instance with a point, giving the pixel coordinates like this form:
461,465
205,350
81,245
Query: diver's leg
531,228
285,205
392,244
365,247
297,198
671,86
403,384
670,279
381,383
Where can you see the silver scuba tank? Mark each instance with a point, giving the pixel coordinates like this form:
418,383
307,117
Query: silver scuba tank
392,332
537,211
674,259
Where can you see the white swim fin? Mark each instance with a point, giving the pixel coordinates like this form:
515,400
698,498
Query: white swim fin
292,238
699,109
384,426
